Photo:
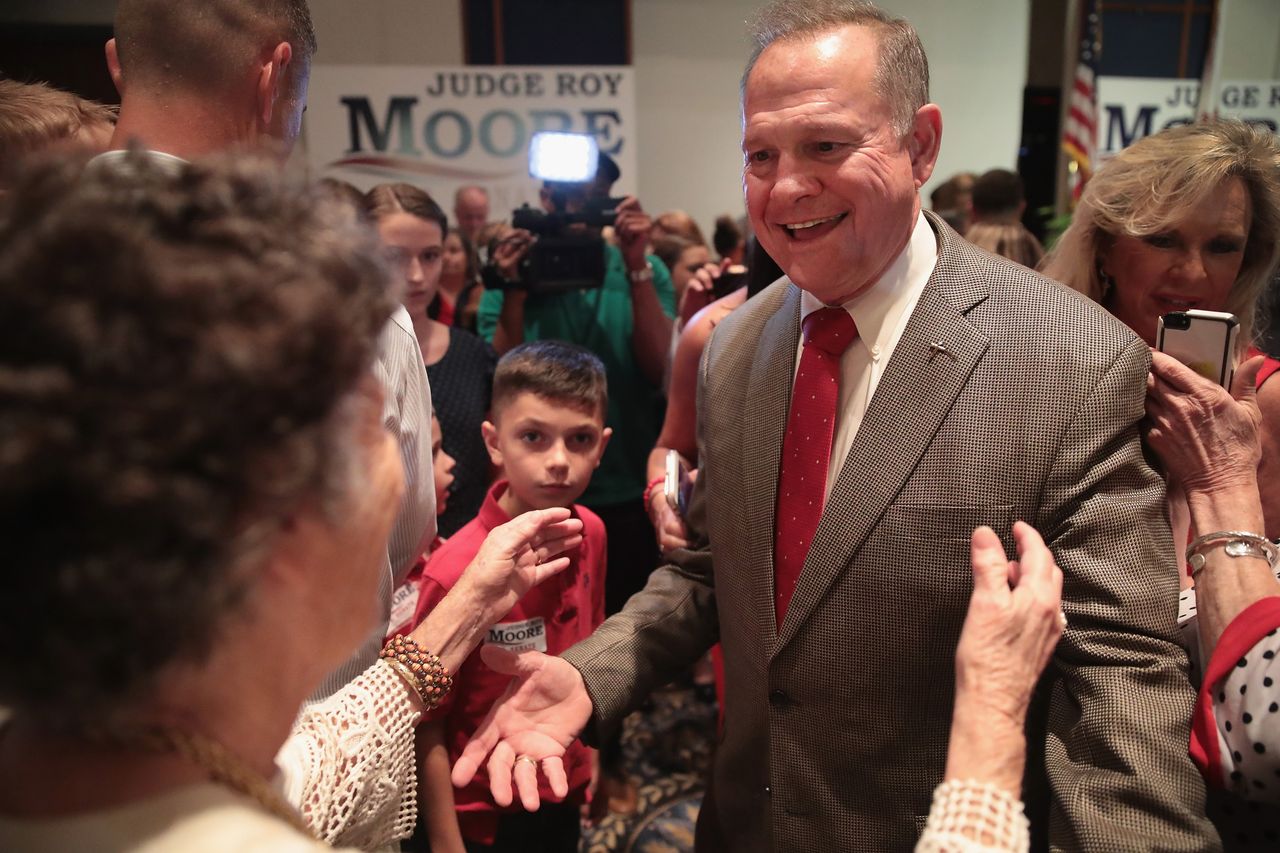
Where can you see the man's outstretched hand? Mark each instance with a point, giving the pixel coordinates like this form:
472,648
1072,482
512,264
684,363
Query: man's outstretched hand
542,711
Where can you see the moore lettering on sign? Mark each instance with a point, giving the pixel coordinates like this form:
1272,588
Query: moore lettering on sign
441,128
1130,108
519,636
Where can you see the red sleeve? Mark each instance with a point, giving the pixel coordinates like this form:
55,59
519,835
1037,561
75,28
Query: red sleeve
1268,367
1253,623
431,594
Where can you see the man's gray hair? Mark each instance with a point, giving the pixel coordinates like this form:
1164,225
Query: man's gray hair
902,70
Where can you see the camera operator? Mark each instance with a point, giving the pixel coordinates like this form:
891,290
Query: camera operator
626,320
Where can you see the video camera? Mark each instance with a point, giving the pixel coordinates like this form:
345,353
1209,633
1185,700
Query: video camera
568,251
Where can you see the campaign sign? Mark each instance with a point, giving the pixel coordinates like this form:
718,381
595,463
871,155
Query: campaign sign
441,128
1130,108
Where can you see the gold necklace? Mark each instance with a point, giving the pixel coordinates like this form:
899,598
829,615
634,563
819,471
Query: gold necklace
222,765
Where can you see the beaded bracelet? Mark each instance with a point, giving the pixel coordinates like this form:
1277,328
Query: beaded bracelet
421,669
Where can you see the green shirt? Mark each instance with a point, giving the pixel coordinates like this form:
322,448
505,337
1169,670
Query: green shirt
600,319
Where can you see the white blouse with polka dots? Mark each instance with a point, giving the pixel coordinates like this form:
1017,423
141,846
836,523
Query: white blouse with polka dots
1245,703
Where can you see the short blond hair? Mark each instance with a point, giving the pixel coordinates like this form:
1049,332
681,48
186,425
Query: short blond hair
1151,185
34,116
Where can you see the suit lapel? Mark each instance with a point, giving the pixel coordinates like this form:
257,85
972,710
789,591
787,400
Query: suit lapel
770,394
912,399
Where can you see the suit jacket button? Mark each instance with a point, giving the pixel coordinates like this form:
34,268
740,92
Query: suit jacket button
779,698
767,791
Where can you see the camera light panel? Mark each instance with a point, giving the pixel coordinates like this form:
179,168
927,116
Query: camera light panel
564,157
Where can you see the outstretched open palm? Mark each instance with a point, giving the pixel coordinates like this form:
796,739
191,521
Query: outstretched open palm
529,728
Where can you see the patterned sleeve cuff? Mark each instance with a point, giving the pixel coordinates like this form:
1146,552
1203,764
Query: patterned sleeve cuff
974,817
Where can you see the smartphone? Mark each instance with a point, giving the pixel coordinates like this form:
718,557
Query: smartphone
1205,341
677,485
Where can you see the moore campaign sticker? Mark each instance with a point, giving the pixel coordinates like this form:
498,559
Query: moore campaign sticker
519,636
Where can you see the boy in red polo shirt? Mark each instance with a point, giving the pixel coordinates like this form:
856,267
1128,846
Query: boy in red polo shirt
547,433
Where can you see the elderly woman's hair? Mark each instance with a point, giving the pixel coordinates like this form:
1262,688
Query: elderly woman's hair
386,199
902,69
179,359
1150,186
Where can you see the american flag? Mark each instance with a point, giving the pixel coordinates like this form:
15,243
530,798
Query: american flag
1080,136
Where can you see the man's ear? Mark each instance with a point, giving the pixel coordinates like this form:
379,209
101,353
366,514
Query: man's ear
604,444
113,66
271,81
924,142
490,434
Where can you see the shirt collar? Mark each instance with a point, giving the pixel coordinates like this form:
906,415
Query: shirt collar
115,159
878,309
492,514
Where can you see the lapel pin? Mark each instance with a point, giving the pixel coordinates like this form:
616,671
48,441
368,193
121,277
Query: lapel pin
939,348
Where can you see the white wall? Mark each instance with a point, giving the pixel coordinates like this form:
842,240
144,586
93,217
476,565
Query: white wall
388,32
688,56
1251,29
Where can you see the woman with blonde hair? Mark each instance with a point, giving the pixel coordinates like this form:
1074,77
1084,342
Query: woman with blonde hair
1186,218
1189,218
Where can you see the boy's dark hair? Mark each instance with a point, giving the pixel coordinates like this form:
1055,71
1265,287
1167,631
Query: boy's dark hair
565,373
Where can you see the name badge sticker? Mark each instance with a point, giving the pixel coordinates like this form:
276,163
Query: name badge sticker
519,636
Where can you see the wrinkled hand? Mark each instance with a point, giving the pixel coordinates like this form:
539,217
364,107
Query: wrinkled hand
519,555
1009,633
541,712
1207,439
510,251
700,290
632,227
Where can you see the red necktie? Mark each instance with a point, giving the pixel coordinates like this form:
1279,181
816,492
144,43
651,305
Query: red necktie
806,450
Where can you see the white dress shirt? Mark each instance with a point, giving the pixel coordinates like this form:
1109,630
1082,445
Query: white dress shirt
881,313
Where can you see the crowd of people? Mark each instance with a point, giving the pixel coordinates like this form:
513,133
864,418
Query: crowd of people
332,523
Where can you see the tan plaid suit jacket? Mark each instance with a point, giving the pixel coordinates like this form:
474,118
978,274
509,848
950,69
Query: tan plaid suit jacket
836,726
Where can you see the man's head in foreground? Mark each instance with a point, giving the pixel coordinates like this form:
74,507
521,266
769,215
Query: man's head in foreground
211,73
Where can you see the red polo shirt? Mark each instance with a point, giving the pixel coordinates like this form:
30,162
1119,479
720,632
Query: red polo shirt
550,618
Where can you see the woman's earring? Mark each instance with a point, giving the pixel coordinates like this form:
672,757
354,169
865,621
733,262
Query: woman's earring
1105,281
